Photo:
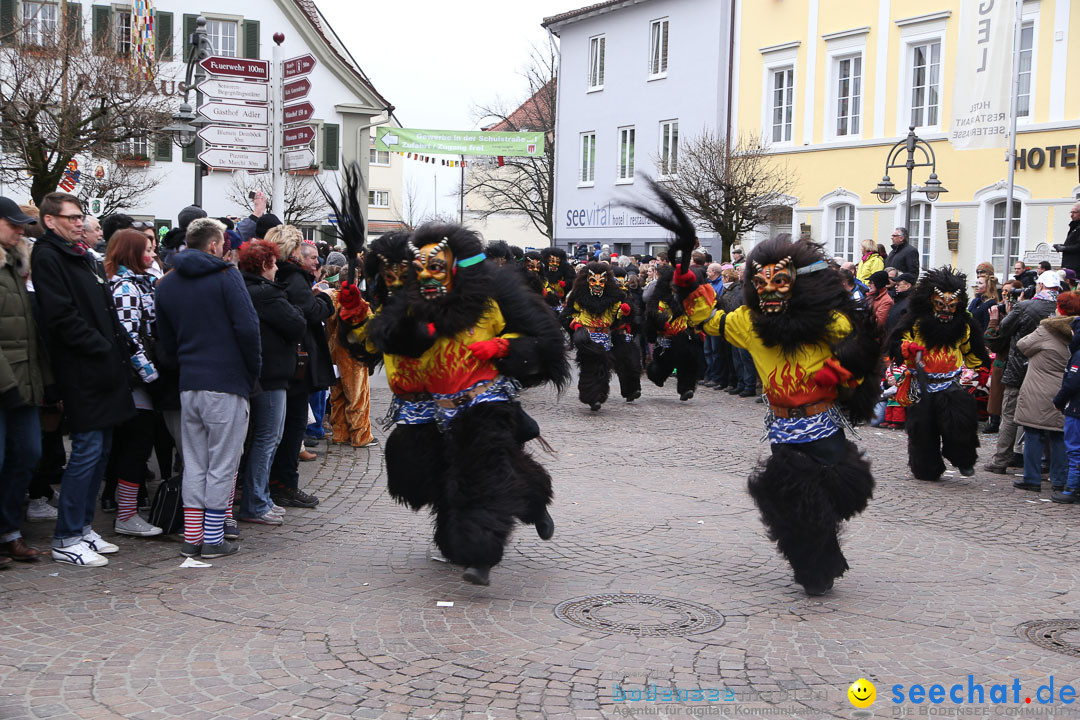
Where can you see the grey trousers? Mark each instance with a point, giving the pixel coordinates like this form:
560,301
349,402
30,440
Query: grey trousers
1010,435
213,428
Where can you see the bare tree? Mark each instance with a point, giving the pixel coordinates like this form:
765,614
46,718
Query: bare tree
120,185
727,190
63,96
522,184
411,211
304,202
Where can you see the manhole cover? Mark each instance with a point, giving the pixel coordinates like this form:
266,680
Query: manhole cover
641,615
1061,636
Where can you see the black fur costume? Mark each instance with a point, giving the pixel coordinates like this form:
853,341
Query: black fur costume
677,344
626,351
943,423
805,489
585,312
558,276
474,474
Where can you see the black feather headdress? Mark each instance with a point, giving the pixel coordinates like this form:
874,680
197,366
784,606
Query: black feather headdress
350,213
670,216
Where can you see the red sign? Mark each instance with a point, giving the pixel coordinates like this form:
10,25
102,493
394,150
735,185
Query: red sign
300,112
296,90
298,66
298,136
237,67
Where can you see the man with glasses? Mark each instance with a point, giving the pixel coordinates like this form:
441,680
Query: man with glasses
1070,249
90,362
903,256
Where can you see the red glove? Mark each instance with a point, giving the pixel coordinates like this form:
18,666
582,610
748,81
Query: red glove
909,350
562,283
431,329
487,349
684,279
575,325
624,309
831,374
353,307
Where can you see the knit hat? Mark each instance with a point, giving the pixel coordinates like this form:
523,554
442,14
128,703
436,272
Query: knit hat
265,223
336,258
234,239
1049,279
984,268
191,212
879,279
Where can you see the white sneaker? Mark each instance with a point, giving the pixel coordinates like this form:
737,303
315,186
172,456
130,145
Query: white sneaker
136,526
277,509
40,510
81,553
99,544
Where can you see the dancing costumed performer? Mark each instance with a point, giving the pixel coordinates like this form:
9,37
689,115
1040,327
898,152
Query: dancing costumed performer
677,343
626,352
458,341
936,339
592,308
531,269
814,351
558,276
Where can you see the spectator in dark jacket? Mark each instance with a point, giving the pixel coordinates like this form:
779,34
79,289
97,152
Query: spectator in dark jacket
90,361
1070,249
1025,275
297,263
206,319
281,328
903,256
901,292
1068,401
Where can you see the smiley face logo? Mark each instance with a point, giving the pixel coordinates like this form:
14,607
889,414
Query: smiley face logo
862,693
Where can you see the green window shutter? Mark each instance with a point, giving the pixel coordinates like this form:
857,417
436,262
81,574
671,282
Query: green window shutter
163,34
190,154
251,39
163,149
102,27
7,21
331,146
73,24
189,30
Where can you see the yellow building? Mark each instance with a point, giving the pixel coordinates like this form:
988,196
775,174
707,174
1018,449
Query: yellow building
831,85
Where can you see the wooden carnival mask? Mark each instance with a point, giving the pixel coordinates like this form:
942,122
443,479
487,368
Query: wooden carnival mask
393,274
533,265
597,281
945,304
774,283
434,268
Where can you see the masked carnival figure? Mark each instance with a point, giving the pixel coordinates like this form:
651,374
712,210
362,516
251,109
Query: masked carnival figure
593,307
818,360
458,341
532,273
935,340
677,343
558,276
626,350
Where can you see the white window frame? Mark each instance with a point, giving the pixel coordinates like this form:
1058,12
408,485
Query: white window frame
849,250
35,15
832,107
597,63
776,60
624,167
910,37
659,47
921,233
218,23
1018,222
1031,20
926,260
375,195
587,165
987,198
373,157
668,167
308,232
122,21
138,146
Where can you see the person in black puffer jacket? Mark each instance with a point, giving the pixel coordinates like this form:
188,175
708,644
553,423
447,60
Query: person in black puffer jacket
281,328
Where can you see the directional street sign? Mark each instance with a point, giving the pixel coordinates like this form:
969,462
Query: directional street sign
235,68
227,159
235,136
300,112
298,66
298,136
235,90
295,159
296,90
230,112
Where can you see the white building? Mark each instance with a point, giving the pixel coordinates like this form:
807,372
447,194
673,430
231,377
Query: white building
633,75
386,201
346,104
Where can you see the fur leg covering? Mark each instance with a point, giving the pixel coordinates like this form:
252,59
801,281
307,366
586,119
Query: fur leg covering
487,485
415,463
804,492
947,418
663,362
688,362
959,418
594,365
627,357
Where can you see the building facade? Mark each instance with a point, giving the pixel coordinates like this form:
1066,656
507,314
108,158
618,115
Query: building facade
386,202
345,103
633,76
832,86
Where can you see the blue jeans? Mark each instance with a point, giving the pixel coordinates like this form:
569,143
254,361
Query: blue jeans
267,423
80,485
317,400
879,413
1033,454
1072,450
745,372
20,450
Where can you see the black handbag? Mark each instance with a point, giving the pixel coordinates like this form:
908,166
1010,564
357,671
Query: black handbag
167,508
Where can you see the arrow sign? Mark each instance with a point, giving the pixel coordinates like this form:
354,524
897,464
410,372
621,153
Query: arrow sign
298,136
224,158
235,136
296,90
235,90
389,140
300,112
237,67
230,112
296,159
298,66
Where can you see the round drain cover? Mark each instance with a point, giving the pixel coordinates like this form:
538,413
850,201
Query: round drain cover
1061,636
640,615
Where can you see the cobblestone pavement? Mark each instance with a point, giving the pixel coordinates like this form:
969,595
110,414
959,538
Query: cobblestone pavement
336,614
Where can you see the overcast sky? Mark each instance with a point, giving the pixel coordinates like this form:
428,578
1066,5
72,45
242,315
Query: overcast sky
435,60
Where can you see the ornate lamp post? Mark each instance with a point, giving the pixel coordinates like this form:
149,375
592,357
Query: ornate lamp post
186,123
909,146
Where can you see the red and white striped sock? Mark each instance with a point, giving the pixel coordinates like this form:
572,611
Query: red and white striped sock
127,500
232,498
193,525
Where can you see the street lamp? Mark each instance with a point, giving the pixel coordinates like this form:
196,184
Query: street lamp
182,130
185,124
886,191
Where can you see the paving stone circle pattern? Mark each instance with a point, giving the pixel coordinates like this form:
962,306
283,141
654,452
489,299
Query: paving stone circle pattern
640,615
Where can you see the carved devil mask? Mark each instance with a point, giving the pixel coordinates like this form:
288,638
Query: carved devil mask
596,283
533,265
945,305
393,274
434,269
553,263
774,283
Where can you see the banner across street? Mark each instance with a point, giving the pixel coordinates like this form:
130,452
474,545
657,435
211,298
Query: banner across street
461,142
